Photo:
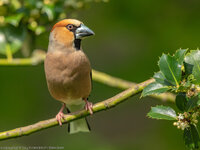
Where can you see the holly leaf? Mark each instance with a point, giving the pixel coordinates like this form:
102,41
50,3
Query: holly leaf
162,112
181,101
170,68
159,77
188,68
192,64
191,137
154,88
179,55
192,103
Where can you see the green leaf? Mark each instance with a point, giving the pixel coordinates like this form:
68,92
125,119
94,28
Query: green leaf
159,77
12,36
188,68
191,137
39,30
49,10
154,88
192,63
190,80
181,101
2,41
14,19
179,55
195,135
162,112
170,68
192,103
187,136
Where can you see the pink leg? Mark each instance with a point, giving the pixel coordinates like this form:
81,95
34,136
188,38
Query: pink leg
60,115
88,106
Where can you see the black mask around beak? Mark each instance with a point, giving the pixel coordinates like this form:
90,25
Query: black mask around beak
83,31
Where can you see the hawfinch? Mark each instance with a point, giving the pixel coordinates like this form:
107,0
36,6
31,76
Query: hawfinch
68,70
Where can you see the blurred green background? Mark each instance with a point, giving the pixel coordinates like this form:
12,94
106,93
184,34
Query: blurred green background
129,38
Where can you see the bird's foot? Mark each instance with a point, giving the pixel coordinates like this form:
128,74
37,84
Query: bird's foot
60,116
88,106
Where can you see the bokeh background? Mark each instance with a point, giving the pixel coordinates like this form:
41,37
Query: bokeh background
130,35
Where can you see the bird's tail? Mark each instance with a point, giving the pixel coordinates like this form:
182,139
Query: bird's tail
80,125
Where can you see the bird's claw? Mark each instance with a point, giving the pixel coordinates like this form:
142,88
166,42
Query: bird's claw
88,106
60,116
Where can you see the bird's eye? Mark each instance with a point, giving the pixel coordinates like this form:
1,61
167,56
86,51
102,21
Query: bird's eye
70,26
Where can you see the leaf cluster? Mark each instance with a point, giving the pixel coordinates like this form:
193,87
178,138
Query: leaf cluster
179,74
24,19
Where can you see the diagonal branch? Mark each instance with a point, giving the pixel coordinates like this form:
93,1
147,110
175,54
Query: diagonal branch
38,56
123,84
104,105
132,89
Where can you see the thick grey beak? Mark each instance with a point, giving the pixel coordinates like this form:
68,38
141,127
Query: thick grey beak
83,31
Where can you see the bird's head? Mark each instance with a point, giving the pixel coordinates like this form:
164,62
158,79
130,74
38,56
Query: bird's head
69,33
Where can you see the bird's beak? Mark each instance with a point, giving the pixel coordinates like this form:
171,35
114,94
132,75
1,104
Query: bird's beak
83,31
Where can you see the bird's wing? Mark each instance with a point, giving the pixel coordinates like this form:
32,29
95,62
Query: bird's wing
91,79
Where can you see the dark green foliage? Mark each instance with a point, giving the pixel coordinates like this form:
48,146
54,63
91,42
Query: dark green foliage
159,77
170,68
180,55
193,59
11,38
179,74
192,103
36,16
181,101
155,88
162,112
191,137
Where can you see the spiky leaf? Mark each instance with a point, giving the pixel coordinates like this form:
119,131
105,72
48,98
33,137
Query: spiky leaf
192,63
179,55
154,88
159,77
170,68
181,101
192,103
191,137
162,112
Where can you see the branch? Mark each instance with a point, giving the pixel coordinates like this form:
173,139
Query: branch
38,56
123,84
132,89
104,105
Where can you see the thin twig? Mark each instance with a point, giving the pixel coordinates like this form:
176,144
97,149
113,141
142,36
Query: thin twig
104,105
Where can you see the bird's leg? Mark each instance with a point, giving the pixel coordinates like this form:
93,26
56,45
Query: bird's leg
60,114
88,105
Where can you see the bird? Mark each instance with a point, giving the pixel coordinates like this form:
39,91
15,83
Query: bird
68,71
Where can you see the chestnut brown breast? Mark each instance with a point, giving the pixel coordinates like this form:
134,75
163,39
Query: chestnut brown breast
68,75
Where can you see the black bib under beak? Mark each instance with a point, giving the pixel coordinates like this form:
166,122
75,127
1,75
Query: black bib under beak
83,31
